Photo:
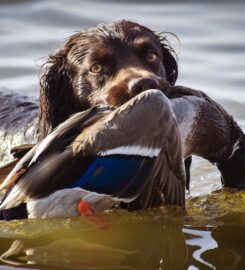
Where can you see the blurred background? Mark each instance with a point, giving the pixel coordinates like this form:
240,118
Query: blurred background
211,52
212,35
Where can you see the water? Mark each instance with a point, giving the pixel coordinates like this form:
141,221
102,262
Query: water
211,235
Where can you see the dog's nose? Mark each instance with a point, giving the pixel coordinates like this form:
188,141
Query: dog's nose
139,85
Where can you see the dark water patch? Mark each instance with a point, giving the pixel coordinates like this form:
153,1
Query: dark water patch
48,16
225,48
30,48
18,116
230,253
14,1
16,110
8,72
178,1
237,82
52,14
154,239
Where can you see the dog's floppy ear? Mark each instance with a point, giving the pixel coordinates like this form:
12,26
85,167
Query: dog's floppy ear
57,100
169,59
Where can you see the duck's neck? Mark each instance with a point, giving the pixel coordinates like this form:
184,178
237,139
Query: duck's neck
233,168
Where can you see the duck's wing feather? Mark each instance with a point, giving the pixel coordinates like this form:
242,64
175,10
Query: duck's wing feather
54,143
166,183
144,127
6,169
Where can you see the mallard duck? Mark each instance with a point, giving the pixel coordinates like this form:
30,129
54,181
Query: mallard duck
103,157
132,155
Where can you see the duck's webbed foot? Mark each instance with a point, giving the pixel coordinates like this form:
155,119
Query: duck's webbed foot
86,211
84,208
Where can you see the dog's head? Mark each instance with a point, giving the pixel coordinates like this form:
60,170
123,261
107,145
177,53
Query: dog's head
108,64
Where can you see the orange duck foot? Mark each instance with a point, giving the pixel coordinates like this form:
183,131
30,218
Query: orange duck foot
84,209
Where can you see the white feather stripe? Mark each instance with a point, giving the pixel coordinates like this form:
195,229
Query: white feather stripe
136,150
42,146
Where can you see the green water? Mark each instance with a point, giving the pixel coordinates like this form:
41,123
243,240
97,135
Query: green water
210,236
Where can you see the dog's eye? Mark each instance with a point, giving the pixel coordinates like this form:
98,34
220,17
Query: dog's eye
96,68
152,56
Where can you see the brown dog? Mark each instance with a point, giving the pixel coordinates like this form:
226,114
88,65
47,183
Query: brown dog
108,64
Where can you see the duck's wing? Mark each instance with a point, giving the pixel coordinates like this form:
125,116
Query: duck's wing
56,142
144,127
166,184
6,169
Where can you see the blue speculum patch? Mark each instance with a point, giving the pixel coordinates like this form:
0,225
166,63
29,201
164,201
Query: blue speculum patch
113,174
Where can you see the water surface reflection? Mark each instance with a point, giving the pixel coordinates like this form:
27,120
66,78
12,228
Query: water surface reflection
146,240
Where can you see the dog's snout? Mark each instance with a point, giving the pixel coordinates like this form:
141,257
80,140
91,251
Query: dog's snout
139,85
